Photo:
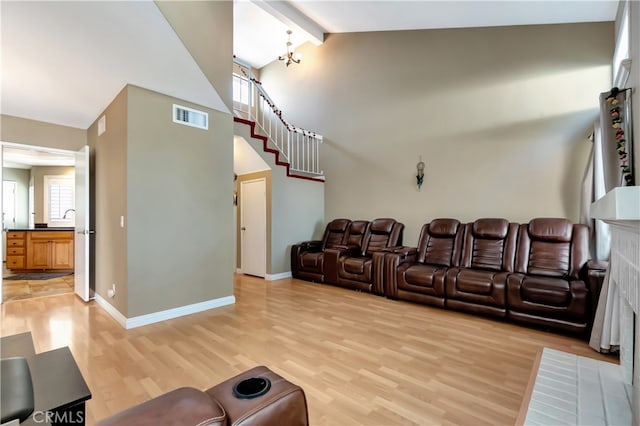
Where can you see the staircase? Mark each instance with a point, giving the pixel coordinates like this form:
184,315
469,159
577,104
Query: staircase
294,148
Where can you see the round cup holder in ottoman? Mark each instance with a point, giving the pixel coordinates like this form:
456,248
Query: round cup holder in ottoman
252,387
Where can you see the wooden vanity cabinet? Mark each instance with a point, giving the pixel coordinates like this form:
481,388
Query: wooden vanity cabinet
49,250
15,249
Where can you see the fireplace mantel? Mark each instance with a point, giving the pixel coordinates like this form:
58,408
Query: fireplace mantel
621,204
620,208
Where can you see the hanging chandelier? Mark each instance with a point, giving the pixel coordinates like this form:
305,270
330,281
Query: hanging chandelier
290,57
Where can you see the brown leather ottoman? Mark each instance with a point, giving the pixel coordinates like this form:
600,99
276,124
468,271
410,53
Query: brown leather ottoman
256,397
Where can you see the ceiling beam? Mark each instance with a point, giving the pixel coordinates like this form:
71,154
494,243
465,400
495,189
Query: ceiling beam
286,13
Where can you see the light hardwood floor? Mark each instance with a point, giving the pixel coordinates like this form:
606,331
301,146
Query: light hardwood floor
361,359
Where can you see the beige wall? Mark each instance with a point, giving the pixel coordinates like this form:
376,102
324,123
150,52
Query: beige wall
21,177
179,206
500,116
37,174
297,209
110,156
299,205
39,133
206,29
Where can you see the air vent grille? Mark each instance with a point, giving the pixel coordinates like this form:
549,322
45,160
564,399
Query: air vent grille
190,117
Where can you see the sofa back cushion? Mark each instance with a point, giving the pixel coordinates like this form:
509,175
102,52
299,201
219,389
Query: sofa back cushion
439,242
382,233
552,247
335,233
356,232
490,244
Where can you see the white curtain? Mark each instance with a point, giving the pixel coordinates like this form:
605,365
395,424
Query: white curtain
605,334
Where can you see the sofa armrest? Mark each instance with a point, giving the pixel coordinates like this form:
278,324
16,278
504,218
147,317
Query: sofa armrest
298,249
313,245
392,260
596,265
332,256
180,406
595,271
284,403
406,254
378,272
347,249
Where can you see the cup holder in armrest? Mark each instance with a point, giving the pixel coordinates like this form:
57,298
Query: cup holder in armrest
252,387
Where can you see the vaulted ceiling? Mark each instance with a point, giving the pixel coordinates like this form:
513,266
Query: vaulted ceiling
63,62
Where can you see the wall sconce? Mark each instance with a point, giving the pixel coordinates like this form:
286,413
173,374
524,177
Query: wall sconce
290,57
420,173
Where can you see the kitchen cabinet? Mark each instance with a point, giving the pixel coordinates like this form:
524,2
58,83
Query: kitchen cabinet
49,250
15,249
40,250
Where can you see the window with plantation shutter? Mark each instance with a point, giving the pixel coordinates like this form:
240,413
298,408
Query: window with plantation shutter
59,200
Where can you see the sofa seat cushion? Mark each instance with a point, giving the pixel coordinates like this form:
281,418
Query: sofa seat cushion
354,265
311,261
420,278
421,275
546,291
356,269
475,281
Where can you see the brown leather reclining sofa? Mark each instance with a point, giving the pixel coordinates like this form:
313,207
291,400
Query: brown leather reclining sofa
345,255
257,397
536,273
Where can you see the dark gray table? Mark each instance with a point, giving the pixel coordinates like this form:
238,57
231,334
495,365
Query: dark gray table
59,389
17,345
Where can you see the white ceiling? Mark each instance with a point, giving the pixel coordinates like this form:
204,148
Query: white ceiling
260,37
25,158
357,16
64,62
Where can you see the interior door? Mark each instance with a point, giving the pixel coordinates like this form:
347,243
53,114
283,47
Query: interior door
253,227
81,243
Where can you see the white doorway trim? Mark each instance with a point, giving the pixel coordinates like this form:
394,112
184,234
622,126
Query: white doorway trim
253,227
43,149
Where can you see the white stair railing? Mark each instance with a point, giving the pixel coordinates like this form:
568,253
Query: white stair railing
299,147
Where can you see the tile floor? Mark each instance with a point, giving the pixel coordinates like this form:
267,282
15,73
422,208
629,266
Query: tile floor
26,289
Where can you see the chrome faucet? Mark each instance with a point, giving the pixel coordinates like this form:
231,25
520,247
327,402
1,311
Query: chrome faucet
64,216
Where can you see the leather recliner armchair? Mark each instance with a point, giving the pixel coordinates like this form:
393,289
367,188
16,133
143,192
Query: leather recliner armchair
307,258
245,399
549,286
417,274
353,241
356,269
478,285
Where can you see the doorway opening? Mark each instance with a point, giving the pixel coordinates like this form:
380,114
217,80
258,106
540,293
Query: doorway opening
42,221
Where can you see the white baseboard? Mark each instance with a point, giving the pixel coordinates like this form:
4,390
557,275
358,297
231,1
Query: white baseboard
280,276
167,314
111,310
